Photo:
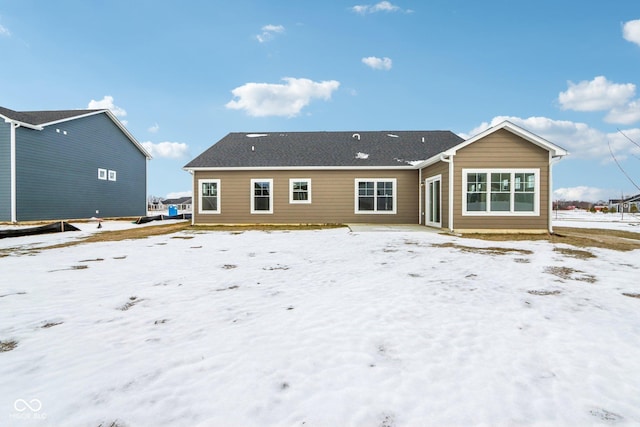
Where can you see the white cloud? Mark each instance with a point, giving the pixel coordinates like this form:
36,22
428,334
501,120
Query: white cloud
169,150
383,6
154,128
631,31
288,99
268,32
179,194
273,28
626,114
106,103
378,63
579,139
596,95
601,94
581,193
4,31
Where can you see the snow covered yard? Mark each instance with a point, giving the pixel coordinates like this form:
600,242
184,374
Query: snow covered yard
318,328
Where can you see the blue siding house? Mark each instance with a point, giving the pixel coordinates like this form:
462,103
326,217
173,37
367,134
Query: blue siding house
69,164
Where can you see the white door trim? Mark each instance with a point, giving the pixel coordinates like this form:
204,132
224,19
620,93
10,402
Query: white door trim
433,211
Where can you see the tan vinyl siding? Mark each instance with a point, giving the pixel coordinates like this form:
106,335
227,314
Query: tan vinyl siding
502,150
440,168
333,197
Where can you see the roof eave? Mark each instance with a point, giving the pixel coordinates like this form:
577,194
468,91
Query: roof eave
20,123
294,168
55,122
109,114
432,160
126,132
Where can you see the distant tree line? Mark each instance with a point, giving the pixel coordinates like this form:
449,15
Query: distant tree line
575,204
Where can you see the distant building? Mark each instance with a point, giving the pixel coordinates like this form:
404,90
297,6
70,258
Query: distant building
183,204
69,164
629,204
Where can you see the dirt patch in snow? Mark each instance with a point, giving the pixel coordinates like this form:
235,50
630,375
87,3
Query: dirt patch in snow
73,267
14,293
492,250
7,345
51,325
228,288
574,253
618,240
115,423
132,301
158,230
568,273
605,415
543,292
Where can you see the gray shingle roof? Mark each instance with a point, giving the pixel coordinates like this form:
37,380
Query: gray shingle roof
41,117
178,201
317,149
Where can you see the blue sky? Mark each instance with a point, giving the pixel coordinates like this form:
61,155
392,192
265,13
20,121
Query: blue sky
181,75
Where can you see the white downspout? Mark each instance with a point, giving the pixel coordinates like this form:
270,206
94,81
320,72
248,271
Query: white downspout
193,201
420,197
552,161
14,199
450,161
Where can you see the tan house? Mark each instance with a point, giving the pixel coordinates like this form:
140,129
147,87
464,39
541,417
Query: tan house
498,180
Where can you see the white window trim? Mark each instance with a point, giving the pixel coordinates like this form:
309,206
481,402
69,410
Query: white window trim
102,174
511,212
427,202
302,202
253,210
207,212
375,204
112,175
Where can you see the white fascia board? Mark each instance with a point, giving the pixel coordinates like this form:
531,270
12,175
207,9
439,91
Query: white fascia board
555,150
114,119
21,124
430,161
298,168
55,122
128,134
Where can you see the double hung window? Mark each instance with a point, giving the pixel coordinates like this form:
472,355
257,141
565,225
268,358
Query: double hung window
262,196
299,190
375,196
209,196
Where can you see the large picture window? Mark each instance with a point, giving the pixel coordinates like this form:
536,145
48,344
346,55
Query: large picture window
501,192
300,190
209,196
375,196
261,196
